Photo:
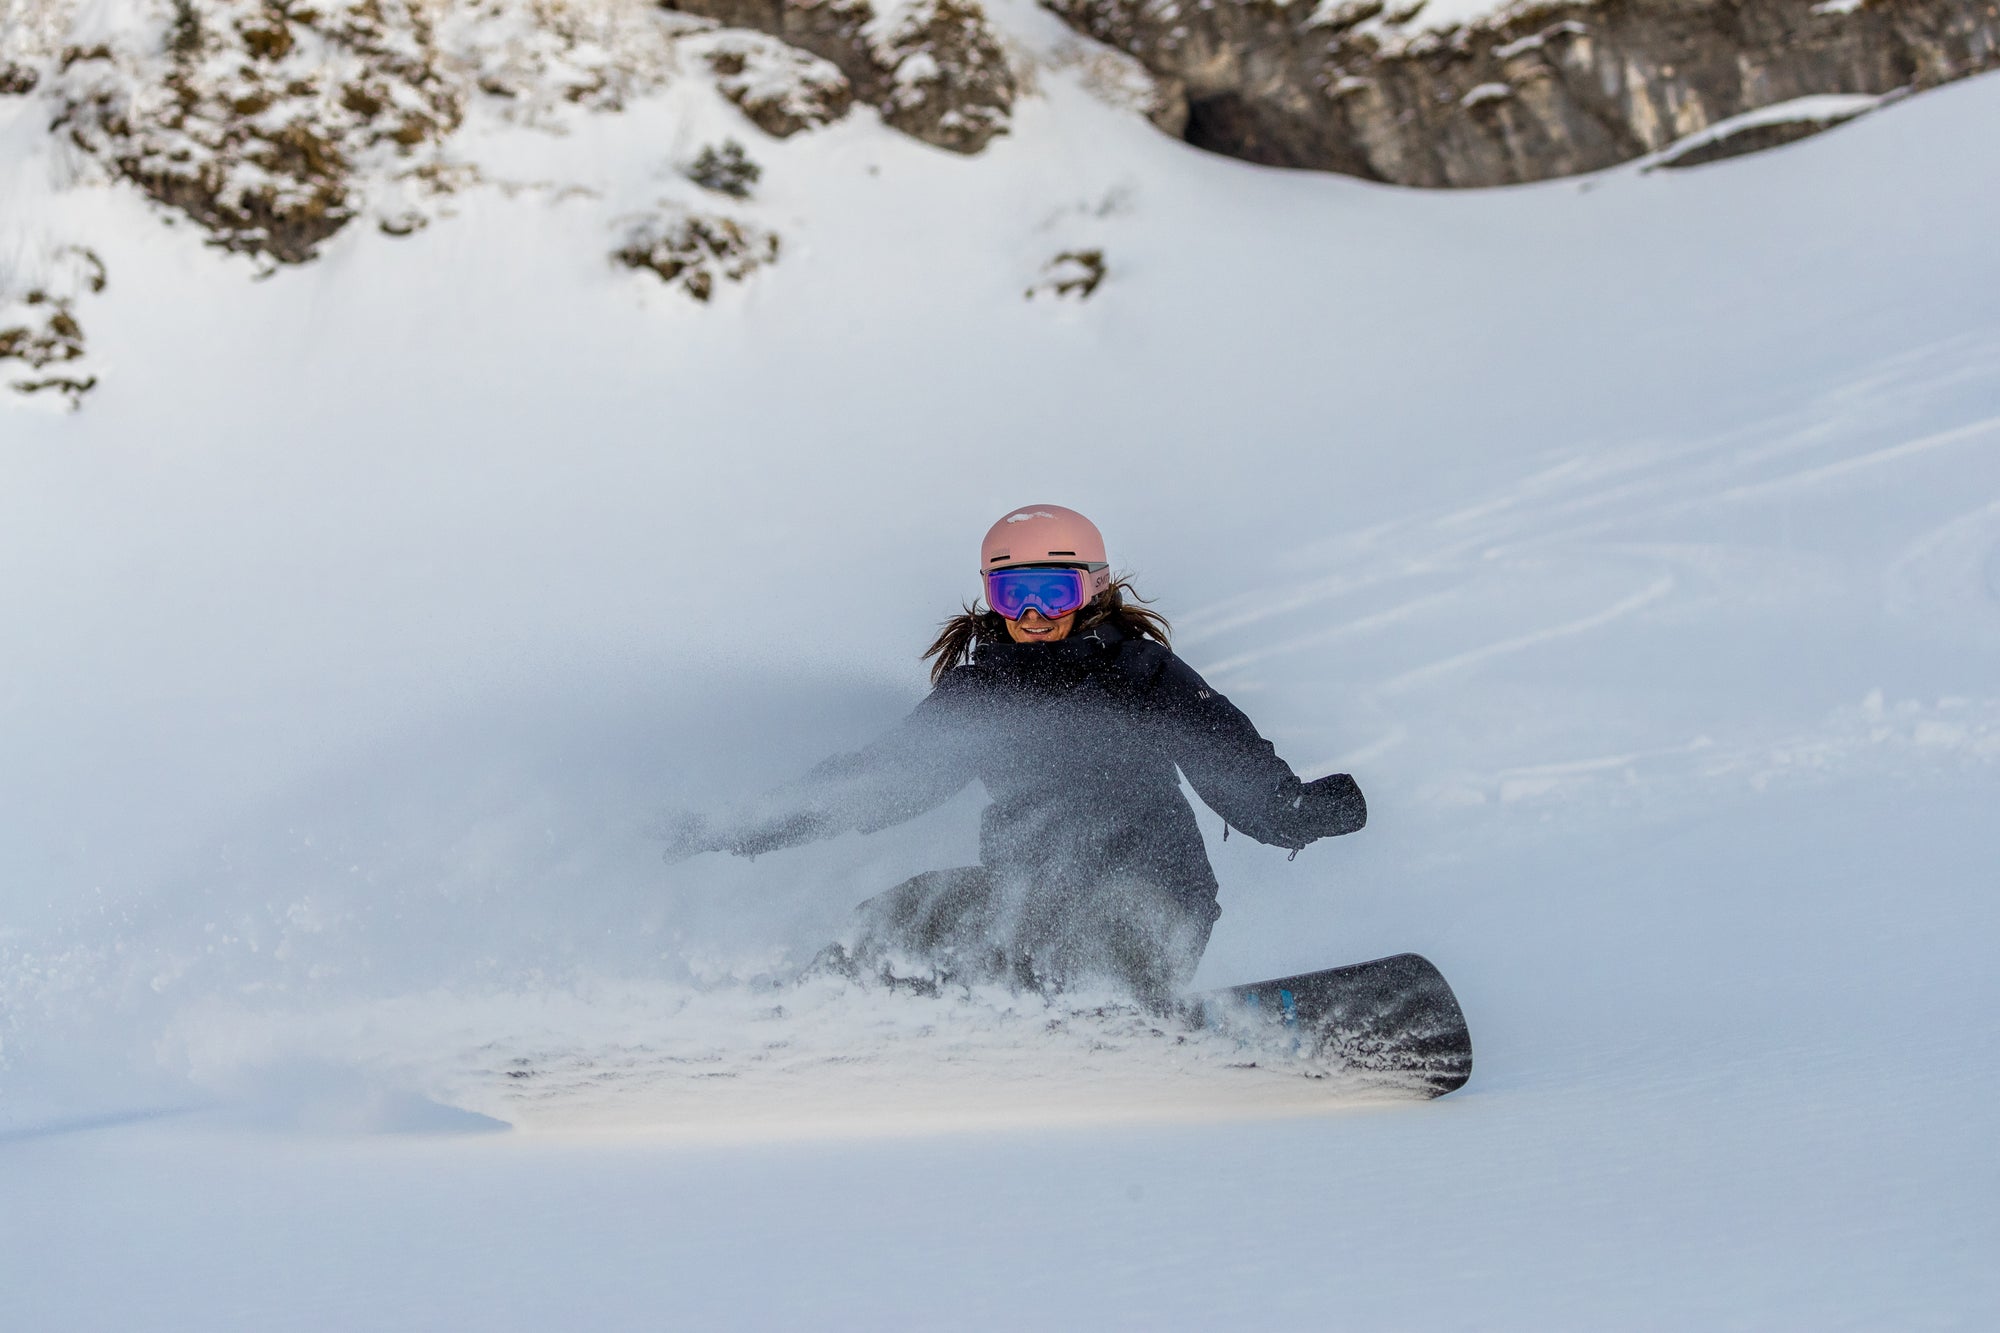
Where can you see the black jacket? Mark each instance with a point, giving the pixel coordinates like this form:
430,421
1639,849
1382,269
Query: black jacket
1077,743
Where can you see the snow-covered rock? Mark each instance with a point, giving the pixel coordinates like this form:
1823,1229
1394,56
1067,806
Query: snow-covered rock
253,117
275,125
936,69
695,251
40,332
782,89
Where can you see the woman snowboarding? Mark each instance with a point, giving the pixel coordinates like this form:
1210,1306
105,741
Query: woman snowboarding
1063,698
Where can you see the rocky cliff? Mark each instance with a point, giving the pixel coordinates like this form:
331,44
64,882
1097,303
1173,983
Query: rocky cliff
1535,91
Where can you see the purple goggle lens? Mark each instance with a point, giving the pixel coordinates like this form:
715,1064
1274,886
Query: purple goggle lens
1055,592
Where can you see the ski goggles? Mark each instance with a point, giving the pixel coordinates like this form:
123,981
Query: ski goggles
1053,590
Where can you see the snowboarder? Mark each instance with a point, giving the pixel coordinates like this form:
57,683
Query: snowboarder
1063,698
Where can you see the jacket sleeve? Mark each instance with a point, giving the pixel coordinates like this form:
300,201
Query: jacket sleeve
1239,774
917,767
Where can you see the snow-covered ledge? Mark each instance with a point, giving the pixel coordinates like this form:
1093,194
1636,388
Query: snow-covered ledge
1767,127
1461,93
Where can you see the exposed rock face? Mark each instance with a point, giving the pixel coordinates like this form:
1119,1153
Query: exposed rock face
1538,90
934,68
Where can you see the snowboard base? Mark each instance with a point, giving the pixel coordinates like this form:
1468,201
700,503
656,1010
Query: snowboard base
1395,1017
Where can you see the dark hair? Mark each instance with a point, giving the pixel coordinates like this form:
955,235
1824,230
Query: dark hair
973,626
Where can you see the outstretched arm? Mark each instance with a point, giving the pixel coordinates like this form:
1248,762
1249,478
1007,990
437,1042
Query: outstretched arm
1239,774
918,766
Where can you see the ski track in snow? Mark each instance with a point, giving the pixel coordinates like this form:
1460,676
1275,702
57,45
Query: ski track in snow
1589,511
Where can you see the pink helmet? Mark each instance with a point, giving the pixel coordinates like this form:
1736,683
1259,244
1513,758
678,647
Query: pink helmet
1047,535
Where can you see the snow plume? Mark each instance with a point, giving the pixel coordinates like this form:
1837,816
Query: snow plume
500,848
506,842
476,916
824,1055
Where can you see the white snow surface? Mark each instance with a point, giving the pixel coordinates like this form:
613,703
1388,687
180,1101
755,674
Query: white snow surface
1634,540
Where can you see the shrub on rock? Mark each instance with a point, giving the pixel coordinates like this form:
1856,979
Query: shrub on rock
726,169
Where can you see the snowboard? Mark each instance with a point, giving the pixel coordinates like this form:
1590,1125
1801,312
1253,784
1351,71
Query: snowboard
1395,1017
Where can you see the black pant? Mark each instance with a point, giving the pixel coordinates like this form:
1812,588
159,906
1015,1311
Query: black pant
969,924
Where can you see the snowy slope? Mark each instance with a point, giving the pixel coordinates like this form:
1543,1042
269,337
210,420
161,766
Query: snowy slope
1635,540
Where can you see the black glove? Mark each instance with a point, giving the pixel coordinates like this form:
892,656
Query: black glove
1331,806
